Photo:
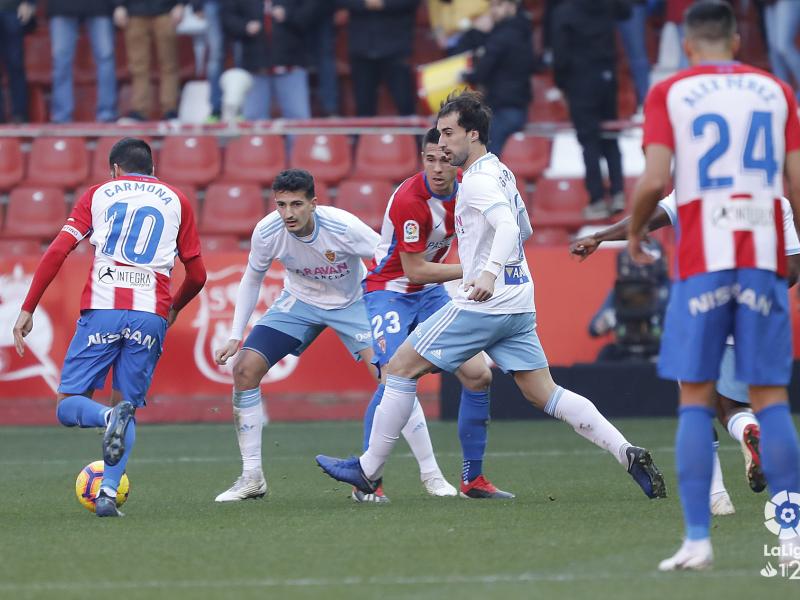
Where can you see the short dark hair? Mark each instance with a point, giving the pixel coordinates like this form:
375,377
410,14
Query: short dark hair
431,137
132,155
294,180
473,113
710,20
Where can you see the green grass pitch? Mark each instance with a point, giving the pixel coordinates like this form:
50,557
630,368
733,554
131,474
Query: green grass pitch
579,527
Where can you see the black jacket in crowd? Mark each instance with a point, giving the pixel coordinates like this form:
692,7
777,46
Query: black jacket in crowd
80,8
283,45
384,33
584,37
146,8
504,63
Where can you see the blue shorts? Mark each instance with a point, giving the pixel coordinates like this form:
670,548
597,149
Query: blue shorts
452,335
305,322
727,384
750,304
394,315
130,340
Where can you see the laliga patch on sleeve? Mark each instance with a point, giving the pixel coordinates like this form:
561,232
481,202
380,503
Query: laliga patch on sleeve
410,231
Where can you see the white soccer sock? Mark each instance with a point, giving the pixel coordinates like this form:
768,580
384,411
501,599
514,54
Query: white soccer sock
587,421
717,484
249,418
738,422
419,440
391,416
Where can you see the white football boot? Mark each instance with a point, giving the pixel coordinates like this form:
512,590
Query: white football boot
436,485
249,485
721,504
692,556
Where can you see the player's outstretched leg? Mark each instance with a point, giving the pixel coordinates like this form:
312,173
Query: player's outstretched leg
249,419
80,411
378,496
720,500
106,502
539,389
694,450
119,419
733,412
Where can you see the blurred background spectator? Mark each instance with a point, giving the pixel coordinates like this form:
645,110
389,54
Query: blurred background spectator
65,19
632,30
14,17
380,36
143,21
277,61
503,65
211,12
782,21
321,41
584,65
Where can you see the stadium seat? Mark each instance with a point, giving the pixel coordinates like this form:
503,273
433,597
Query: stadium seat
35,212
12,163
38,58
85,103
327,157
254,159
220,243
386,156
558,203
59,162
19,248
323,195
365,199
189,159
550,236
232,209
527,156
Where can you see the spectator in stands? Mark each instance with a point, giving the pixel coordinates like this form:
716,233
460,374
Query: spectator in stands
321,40
65,18
211,11
584,67
277,61
632,31
14,16
380,38
503,66
143,20
782,20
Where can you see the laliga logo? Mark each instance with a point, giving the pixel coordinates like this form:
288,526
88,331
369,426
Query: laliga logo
37,362
782,514
215,316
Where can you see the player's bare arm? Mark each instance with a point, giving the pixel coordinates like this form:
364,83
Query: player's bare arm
420,271
583,247
646,196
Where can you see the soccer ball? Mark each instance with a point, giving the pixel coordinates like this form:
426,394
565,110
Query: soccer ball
88,485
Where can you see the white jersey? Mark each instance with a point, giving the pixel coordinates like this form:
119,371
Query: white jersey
489,185
792,243
324,269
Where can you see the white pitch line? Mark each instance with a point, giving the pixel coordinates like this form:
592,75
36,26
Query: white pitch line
530,577
303,456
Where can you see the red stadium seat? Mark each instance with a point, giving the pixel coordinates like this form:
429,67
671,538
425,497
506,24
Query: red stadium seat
326,156
58,162
35,212
365,199
232,209
558,203
323,194
527,156
550,236
254,159
19,248
38,58
220,243
12,163
189,159
386,156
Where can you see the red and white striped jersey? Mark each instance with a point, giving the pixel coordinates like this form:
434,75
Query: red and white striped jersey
730,127
416,220
137,225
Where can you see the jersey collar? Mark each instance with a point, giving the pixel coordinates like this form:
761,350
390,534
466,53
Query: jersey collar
437,196
308,239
